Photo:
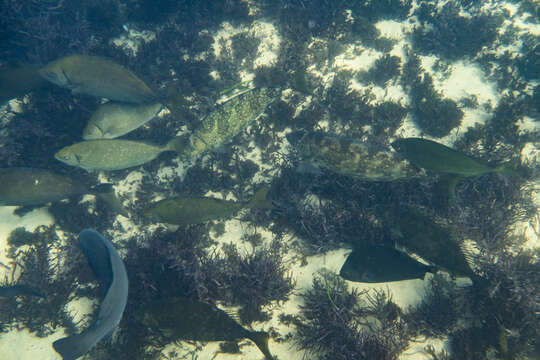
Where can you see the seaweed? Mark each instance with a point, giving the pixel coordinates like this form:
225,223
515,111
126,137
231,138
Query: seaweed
383,70
338,323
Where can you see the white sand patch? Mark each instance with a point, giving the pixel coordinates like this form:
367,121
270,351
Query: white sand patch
22,345
356,58
132,39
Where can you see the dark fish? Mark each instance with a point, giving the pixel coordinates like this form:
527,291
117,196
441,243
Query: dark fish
186,319
350,157
20,290
22,186
436,157
18,79
374,264
99,77
110,270
422,236
194,210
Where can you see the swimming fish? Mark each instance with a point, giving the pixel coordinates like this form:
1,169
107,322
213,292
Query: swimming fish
194,210
20,290
113,119
110,270
22,186
112,154
18,79
185,319
350,157
424,237
228,120
97,76
374,264
436,157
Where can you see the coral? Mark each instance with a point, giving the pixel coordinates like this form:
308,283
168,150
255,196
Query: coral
335,323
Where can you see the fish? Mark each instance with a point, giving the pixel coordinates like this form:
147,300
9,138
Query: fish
22,186
18,79
114,119
375,263
436,157
350,157
110,270
227,121
99,77
112,154
195,210
419,234
176,319
20,290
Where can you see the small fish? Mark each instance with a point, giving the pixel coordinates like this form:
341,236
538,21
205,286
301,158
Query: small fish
350,157
108,266
30,186
422,236
195,210
184,319
99,77
374,264
20,290
228,120
113,119
436,157
112,154
18,79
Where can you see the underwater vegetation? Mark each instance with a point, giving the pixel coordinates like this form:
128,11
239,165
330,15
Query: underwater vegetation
336,323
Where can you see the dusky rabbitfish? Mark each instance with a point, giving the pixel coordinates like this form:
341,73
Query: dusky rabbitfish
420,234
176,319
30,186
113,119
195,210
111,272
375,263
436,157
112,154
228,120
350,157
97,76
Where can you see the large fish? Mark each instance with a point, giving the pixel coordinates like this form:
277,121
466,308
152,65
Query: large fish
194,210
184,319
374,264
436,157
110,270
350,157
113,119
228,120
99,77
112,154
22,186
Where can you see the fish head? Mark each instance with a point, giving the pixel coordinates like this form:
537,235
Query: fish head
399,145
92,131
68,156
294,138
54,74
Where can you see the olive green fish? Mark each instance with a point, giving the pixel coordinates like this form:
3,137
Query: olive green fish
99,77
424,237
113,119
436,157
195,210
228,120
350,157
374,264
184,319
22,186
111,154
18,79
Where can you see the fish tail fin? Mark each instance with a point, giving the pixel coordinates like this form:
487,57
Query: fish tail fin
260,338
511,167
179,144
259,200
106,193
